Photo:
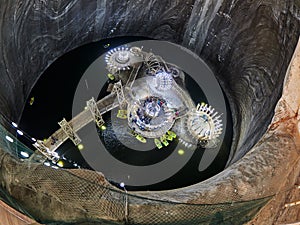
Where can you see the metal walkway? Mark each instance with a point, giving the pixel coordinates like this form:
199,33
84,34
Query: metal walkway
93,112
79,121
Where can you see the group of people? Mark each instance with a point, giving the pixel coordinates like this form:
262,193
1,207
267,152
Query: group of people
146,111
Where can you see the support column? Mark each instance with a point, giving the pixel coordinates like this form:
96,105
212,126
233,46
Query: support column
66,127
41,148
92,106
118,89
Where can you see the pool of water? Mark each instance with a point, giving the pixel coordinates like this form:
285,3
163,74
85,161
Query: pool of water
54,100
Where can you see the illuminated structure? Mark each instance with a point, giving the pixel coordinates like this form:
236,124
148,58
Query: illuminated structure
156,101
148,95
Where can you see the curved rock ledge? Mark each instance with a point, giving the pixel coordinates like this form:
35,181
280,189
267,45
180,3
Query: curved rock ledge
248,44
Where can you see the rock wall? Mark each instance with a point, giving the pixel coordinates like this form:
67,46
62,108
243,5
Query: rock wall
10,216
248,44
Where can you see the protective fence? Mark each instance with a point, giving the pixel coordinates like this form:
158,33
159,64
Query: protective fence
88,193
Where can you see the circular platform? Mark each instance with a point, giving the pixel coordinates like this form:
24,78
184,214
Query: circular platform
151,117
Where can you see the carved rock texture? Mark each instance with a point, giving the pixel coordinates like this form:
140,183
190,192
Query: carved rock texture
247,43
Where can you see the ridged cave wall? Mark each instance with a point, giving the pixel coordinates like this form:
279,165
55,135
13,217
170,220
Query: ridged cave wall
247,43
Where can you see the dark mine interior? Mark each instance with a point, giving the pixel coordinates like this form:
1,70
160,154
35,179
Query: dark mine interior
248,45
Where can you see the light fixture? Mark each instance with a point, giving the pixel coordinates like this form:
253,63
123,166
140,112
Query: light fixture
55,154
181,152
24,154
60,163
20,132
46,163
14,124
80,147
103,127
9,139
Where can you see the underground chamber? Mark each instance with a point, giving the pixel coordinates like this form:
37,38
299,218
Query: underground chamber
249,58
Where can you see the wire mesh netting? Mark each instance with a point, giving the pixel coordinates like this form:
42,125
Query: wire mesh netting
88,192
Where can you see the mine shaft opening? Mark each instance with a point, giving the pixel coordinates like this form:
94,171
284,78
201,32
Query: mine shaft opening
165,106
247,44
